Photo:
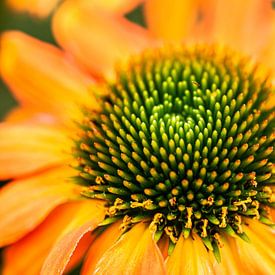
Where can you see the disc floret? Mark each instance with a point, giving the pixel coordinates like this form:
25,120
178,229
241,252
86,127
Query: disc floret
183,141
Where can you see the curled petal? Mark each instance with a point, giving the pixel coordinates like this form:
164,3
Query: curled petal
102,243
37,244
89,214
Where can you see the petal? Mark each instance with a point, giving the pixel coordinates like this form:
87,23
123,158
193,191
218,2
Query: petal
177,20
163,245
267,55
87,218
40,76
29,148
213,20
80,251
60,220
97,38
189,257
272,214
257,257
134,253
116,6
230,262
29,115
99,247
251,19
34,7
26,202
262,236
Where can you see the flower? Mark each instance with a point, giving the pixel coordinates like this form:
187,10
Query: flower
165,164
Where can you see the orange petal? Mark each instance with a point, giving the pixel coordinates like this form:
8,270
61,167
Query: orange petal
230,261
26,202
177,20
80,251
34,7
87,218
163,245
116,6
189,257
267,55
29,148
99,246
244,26
262,236
134,253
29,115
40,76
258,256
97,38
272,210
36,245
235,254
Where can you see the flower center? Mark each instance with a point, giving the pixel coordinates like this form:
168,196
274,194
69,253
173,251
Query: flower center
182,142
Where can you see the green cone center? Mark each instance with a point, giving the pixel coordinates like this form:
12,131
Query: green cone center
184,141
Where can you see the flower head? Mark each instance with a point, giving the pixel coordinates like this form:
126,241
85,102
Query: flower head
162,163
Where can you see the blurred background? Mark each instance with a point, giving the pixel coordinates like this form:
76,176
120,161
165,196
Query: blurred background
40,28
11,20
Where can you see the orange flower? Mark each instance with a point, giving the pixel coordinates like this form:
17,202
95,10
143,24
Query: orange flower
158,163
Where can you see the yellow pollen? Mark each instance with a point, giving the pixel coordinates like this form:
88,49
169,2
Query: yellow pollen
257,205
189,215
204,231
243,203
170,231
143,204
113,209
223,223
126,223
238,223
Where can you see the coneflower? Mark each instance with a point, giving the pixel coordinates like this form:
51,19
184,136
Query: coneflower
182,143
162,164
